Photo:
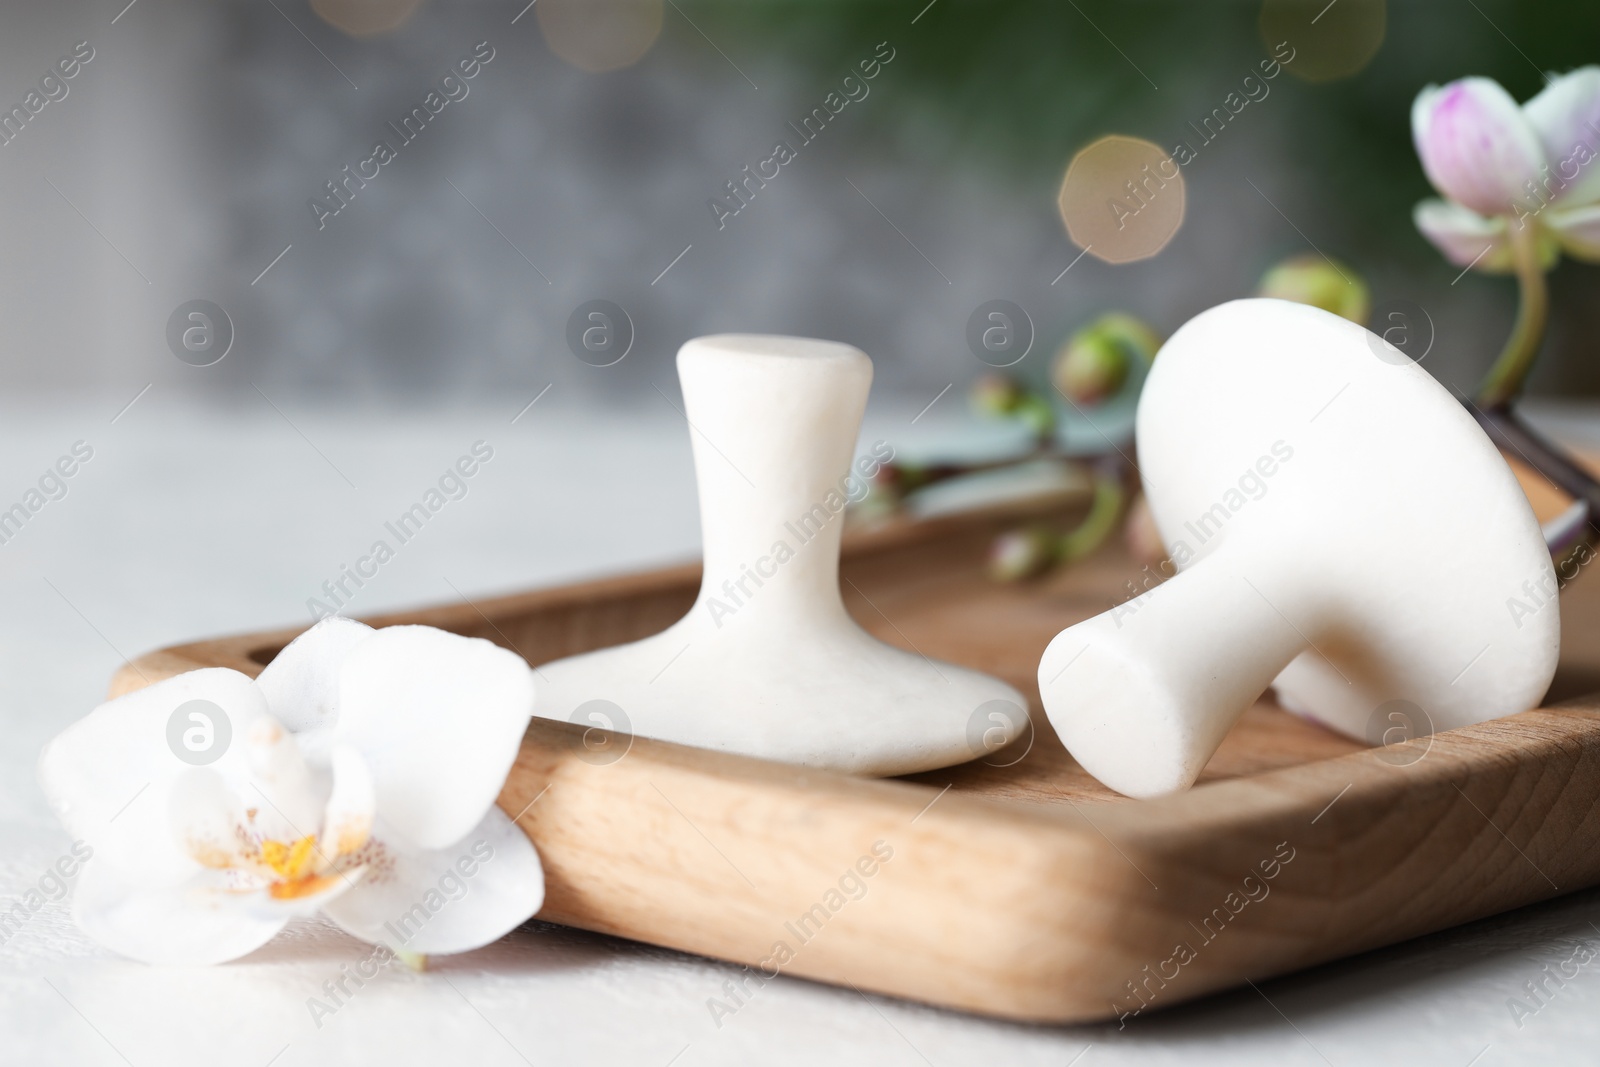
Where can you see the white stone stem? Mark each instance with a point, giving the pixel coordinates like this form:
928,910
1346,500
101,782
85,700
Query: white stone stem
1143,694
774,434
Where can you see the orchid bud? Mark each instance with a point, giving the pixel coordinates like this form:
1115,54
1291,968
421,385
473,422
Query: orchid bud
891,481
1022,553
1095,362
1322,283
999,396
1477,146
995,395
1036,413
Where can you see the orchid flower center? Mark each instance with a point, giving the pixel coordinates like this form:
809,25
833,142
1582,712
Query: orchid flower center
293,867
289,862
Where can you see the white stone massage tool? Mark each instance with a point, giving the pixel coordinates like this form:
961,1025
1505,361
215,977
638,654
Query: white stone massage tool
768,663
1344,532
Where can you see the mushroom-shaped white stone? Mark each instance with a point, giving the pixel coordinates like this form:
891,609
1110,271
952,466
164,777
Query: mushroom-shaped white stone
1339,523
767,662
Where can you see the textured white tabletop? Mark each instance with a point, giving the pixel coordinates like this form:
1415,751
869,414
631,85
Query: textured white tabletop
196,519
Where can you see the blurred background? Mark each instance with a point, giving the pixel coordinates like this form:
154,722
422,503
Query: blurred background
367,315
183,162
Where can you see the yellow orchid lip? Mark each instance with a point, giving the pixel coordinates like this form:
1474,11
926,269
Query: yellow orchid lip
298,872
308,886
289,862
288,870
294,864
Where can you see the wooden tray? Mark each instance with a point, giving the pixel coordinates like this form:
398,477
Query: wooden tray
1026,891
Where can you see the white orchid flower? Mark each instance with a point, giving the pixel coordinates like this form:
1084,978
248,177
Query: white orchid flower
360,781
1509,173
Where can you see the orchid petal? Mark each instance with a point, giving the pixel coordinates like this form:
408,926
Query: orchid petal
301,683
1566,116
191,923
348,816
439,718
1465,237
209,821
1475,144
1577,229
285,792
451,899
108,775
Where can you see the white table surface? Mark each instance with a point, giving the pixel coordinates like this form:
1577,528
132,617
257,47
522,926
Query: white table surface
195,519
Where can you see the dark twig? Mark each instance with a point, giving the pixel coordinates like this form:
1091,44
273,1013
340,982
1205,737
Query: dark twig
1516,438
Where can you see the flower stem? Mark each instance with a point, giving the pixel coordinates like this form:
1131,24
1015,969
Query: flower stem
1110,497
903,479
1511,367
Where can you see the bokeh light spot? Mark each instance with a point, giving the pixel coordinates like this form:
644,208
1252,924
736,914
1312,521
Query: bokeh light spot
1122,199
1328,41
600,35
363,18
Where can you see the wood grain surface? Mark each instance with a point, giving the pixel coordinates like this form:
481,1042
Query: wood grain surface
1019,887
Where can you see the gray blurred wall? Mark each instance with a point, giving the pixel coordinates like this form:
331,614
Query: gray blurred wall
190,146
